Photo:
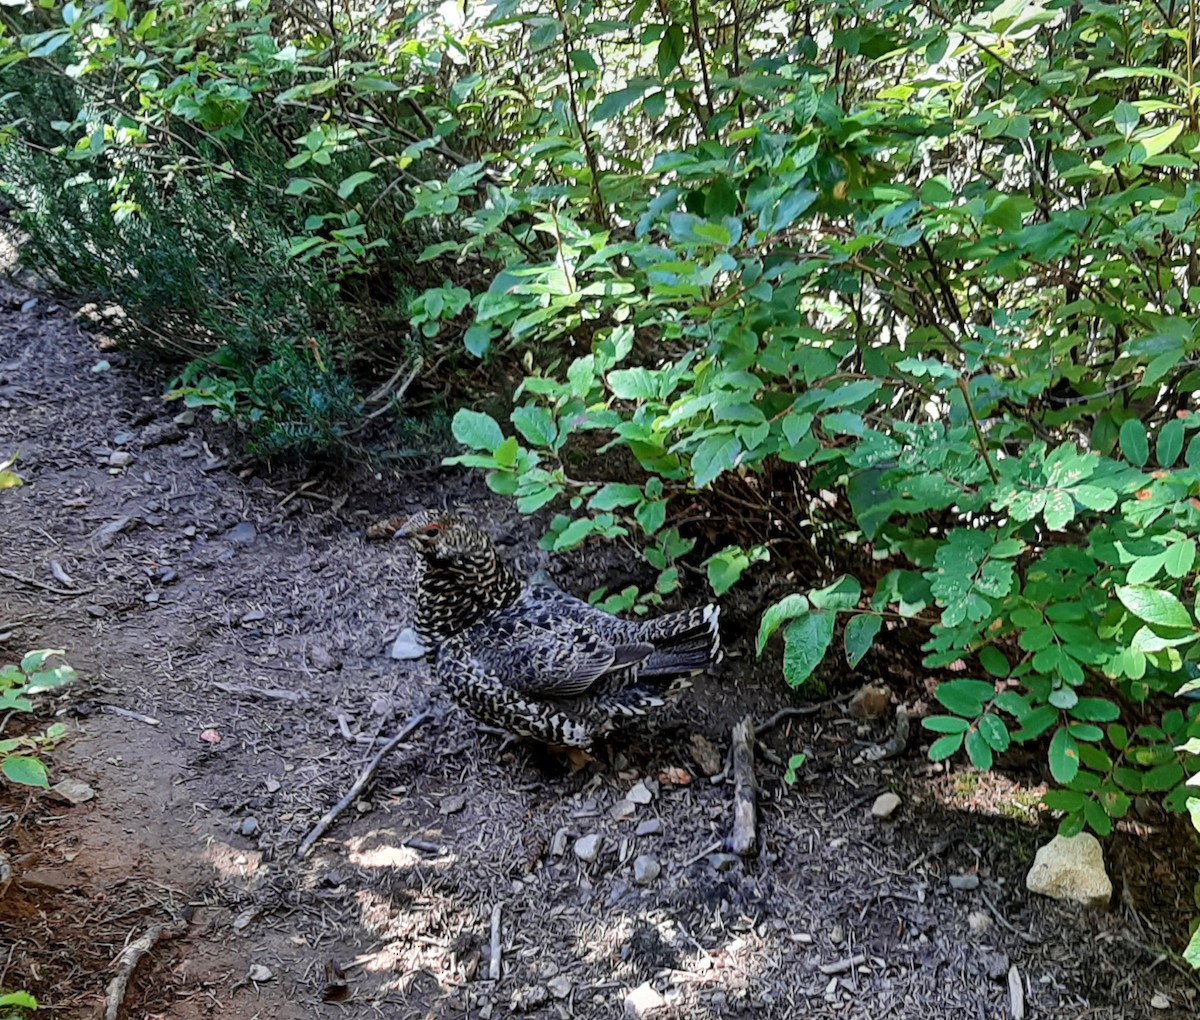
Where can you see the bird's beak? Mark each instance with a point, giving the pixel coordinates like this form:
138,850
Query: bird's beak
402,533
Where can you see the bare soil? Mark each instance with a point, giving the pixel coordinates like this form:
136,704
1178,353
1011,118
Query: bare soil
245,620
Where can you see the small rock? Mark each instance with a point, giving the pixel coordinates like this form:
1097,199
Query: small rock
650,827
121,438
623,810
259,973
322,658
245,918
559,987
253,616
185,418
646,869
587,848
160,434
99,612
643,1000
979,922
705,755
558,845
964,883
1160,1001
168,575
885,805
272,784
249,827
189,531
407,645
871,702
106,535
45,878
723,862
1071,868
242,534
640,794
120,459
453,804
101,366
72,791
837,935
529,997
29,304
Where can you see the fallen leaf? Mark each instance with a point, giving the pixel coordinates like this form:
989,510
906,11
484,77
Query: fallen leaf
673,775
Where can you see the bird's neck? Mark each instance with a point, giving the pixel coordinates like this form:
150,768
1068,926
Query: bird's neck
453,595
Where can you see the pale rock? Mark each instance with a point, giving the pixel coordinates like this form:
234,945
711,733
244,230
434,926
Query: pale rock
72,791
649,827
643,1000
587,848
979,922
623,810
640,794
1071,868
885,805
120,459
558,845
964,883
646,869
1160,1001
259,973
559,987
407,645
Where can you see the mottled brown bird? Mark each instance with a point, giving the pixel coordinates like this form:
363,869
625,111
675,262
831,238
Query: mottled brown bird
534,660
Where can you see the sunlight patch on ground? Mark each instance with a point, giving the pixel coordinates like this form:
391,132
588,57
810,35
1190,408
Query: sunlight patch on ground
988,793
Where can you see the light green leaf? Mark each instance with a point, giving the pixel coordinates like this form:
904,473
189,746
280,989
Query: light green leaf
860,635
1135,444
1158,608
355,181
1064,756
476,430
536,424
713,456
806,641
787,608
25,770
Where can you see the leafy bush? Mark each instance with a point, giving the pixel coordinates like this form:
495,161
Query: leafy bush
37,672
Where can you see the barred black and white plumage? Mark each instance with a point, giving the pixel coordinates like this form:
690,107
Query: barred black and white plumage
534,660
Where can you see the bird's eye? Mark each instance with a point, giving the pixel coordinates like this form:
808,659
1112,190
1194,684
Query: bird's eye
432,529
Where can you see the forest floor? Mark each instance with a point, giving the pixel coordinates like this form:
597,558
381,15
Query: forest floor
243,618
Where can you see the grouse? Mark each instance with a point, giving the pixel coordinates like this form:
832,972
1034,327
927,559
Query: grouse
534,660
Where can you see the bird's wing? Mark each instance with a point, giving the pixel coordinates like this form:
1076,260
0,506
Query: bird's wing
562,604
544,656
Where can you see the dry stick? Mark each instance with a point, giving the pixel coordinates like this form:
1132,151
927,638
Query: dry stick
745,790
791,713
841,966
34,583
494,959
128,960
126,713
1016,994
364,777
270,693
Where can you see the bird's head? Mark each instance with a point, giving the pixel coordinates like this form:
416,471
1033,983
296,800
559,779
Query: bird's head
443,536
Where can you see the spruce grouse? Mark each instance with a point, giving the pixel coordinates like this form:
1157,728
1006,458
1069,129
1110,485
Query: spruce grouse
534,660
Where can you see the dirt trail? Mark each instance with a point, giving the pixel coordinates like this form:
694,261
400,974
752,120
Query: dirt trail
218,603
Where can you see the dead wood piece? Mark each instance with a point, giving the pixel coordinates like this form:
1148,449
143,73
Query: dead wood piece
895,744
130,956
270,693
60,575
12,575
364,777
784,714
744,837
126,713
494,958
842,966
1016,994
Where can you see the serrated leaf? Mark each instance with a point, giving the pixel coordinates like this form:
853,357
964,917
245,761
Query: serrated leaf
944,747
978,750
994,661
1135,444
1158,608
787,608
946,724
806,641
995,732
1063,756
477,430
965,697
25,770
861,631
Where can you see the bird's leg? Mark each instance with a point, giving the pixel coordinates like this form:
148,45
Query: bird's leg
508,738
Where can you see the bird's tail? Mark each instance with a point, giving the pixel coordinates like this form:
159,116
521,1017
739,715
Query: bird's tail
684,643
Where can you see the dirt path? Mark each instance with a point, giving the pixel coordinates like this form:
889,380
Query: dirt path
247,621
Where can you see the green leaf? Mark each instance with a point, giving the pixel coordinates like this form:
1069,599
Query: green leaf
1059,510
1097,818
726,568
31,662
978,750
1191,953
477,430
633,383
844,593
1064,756
26,770
1095,710
506,453
946,724
995,732
1158,608
1135,444
1169,444
536,424
18,1000
355,181
670,49
993,660
615,495
806,641
715,455
787,608
860,635
651,514
944,747
1180,557
965,697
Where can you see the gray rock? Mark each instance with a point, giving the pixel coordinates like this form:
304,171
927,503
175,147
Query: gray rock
273,785
258,972
964,883
885,805
1071,868
253,616
120,459
99,612
249,827
559,987
640,794
185,418
121,438
407,645
587,848
646,869
723,862
979,922
242,534
650,827
72,791
623,810
558,845
643,1000
453,804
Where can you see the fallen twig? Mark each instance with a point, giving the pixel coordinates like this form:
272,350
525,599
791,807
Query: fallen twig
841,966
272,693
33,582
744,836
1016,994
364,777
126,713
494,959
711,848
61,575
131,956
791,713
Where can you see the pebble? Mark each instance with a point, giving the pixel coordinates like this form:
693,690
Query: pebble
723,862
885,805
650,827
646,869
979,922
558,845
623,810
1160,1001
640,794
453,804
964,883
587,848
642,1000
559,987
273,785
243,533
253,616
72,791
838,935
185,418
190,531
97,611
258,972
407,645
168,575
121,438
249,827
120,459
45,878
